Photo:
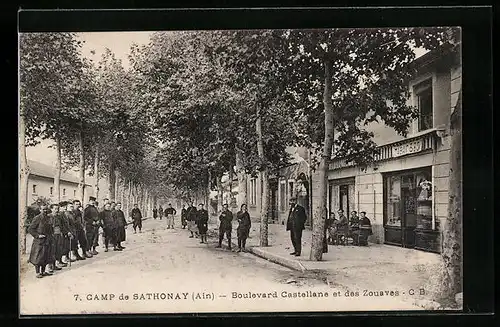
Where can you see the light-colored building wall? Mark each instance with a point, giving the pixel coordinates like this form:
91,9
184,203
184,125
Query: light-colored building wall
39,186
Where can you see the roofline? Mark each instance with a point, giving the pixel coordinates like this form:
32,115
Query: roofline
62,178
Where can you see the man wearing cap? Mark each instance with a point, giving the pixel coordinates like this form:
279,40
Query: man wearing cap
191,219
226,226
91,218
41,230
121,224
60,229
296,224
202,222
80,237
69,239
108,222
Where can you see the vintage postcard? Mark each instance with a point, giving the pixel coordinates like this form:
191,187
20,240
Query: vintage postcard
226,171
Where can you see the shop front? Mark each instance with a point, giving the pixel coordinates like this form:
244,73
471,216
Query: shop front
409,219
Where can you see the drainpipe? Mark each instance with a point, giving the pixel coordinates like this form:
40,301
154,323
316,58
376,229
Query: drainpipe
433,204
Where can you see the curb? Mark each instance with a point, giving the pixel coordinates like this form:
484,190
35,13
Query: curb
283,261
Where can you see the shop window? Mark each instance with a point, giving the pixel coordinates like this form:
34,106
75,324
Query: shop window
424,201
423,93
253,191
291,189
393,204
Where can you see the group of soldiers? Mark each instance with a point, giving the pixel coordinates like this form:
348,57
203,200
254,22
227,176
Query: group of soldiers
59,230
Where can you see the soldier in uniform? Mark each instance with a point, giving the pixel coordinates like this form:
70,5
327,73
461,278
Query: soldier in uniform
202,222
169,214
60,230
121,224
226,226
191,220
41,230
91,218
80,237
244,224
183,216
137,218
295,224
69,238
108,222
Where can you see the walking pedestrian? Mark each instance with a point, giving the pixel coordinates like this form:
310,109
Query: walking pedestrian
42,231
108,222
91,218
169,214
121,225
243,230
137,218
202,222
226,226
191,220
155,212
295,224
160,212
80,238
183,216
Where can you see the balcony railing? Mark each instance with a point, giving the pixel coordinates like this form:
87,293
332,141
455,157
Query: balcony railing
421,142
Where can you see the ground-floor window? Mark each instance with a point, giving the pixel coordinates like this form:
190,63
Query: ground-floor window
408,210
282,195
341,196
253,191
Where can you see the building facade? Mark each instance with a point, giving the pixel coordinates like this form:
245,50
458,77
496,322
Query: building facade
405,191
41,184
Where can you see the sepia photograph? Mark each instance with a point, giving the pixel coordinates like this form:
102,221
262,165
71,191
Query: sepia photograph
238,171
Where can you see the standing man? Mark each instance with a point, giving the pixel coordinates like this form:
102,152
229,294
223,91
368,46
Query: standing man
155,212
170,213
191,219
107,221
160,211
58,245
183,216
226,226
295,224
80,231
202,222
137,218
121,224
91,218
41,230
72,245
243,230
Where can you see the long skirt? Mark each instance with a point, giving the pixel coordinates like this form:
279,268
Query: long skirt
192,226
40,252
242,233
120,234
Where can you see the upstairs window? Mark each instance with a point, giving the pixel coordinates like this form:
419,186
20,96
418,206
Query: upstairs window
423,93
34,189
64,192
51,190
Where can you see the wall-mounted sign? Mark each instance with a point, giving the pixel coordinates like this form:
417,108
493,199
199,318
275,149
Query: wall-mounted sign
407,148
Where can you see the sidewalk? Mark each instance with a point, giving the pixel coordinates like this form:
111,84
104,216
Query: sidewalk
377,267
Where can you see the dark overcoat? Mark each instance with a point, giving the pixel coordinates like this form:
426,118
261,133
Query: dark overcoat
244,224
202,221
226,219
120,222
296,218
41,247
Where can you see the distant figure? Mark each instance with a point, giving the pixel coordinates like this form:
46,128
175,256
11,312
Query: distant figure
243,230
121,225
169,214
296,224
202,222
155,212
136,218
183,216
191,220
226,226
160,212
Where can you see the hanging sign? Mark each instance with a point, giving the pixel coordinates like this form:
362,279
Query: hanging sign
407,148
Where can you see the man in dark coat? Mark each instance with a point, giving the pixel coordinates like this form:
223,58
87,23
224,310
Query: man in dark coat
202,222
60,229
183,216
80,238
136,218
244,224
121,224
169,214
295,224
155,212
160,212
108,222
33,210
226,226
69,238
365,229
41,230
91,218
191,220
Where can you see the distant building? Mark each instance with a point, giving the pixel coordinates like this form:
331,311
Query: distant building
41,183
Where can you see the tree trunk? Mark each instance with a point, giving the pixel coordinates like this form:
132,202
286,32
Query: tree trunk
208,189
220,200
81,182
117,185
318,221
452,230
96,173
57,175
231,186
111,181
242,180
23,186
264,209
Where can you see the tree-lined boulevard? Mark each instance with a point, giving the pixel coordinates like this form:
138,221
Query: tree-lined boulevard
196,106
